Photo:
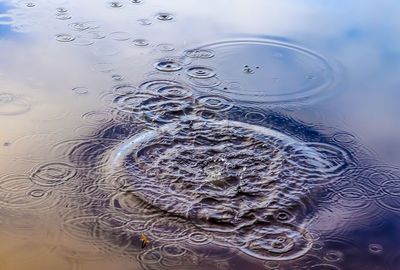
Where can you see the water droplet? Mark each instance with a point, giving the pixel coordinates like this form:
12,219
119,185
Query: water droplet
140,42
168,65
65,37
115,4
164,16
30,4
375,249
137,1
200,72
248,70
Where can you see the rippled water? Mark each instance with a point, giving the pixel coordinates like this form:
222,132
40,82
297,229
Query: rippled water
228,135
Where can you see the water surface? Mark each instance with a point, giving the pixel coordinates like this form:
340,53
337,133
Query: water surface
233,135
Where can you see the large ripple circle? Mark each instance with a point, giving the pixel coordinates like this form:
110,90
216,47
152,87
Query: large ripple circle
269,71
228,178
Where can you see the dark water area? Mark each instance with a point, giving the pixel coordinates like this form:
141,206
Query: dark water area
199,135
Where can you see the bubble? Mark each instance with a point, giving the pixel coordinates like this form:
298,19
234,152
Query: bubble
266,78
375,249
215,102
168,65
119,36
52,174
144,21
200,72
140,42
199,53
65,37
174,92
115,4
12,105
80,90
165,47
164,16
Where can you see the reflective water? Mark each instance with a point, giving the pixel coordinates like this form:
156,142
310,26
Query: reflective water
232,135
